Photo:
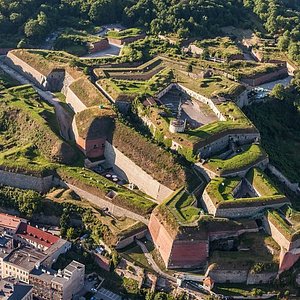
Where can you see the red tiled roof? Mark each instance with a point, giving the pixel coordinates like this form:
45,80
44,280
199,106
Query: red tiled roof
9,221
37,235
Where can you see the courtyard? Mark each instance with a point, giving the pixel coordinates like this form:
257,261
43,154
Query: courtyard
194,112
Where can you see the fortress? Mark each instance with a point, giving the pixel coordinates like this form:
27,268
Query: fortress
223,198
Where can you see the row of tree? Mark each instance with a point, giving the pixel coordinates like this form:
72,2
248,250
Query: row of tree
33,19
280,17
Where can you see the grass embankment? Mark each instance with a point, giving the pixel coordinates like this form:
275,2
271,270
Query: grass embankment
158,163
261,182
95,121
249,69
181,205
75,41
100,186
221,192
129,89
249,156
88,94
220,47
123,34
288,230
255,257
29,134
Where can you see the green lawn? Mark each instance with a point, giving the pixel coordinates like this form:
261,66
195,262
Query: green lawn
122,34
181,205
136,255
247,158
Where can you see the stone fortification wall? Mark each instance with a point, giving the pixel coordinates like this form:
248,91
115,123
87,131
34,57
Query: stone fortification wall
98,46
279,238
221,143
204,100
234,212
228,276
242,99
128,170
129,240
104,203
52,81
161,238
243,212
261,278
281,73
188,253
74,101
125,40
29,72
68,80
292,186
213,236
194,95
39,184
207,203
240,276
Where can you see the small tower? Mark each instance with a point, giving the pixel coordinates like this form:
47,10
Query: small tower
177,125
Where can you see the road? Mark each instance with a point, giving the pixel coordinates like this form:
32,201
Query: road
153,263
63,117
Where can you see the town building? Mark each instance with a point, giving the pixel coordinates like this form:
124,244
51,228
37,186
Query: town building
27,254
10,289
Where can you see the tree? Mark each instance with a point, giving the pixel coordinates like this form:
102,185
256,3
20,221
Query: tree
70,233
283,42
278,91
65,222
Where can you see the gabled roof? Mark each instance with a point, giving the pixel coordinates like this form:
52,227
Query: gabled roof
37,235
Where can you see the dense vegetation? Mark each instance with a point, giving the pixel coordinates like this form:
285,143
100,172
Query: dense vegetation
33,19
280,17
280,133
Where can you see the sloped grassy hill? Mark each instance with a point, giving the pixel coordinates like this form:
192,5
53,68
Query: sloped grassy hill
29,133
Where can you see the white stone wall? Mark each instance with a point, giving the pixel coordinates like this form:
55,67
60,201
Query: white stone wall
241,212
261,278
229,276
128,170
293,186
104,203
26,69
74,101
208,204
222,142
39,184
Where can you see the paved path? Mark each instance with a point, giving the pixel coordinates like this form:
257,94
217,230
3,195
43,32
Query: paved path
153,263
63,118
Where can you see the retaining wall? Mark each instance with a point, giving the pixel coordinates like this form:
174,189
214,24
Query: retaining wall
29,182
295,187
221,143
113,209
129,240
74,101
128,170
